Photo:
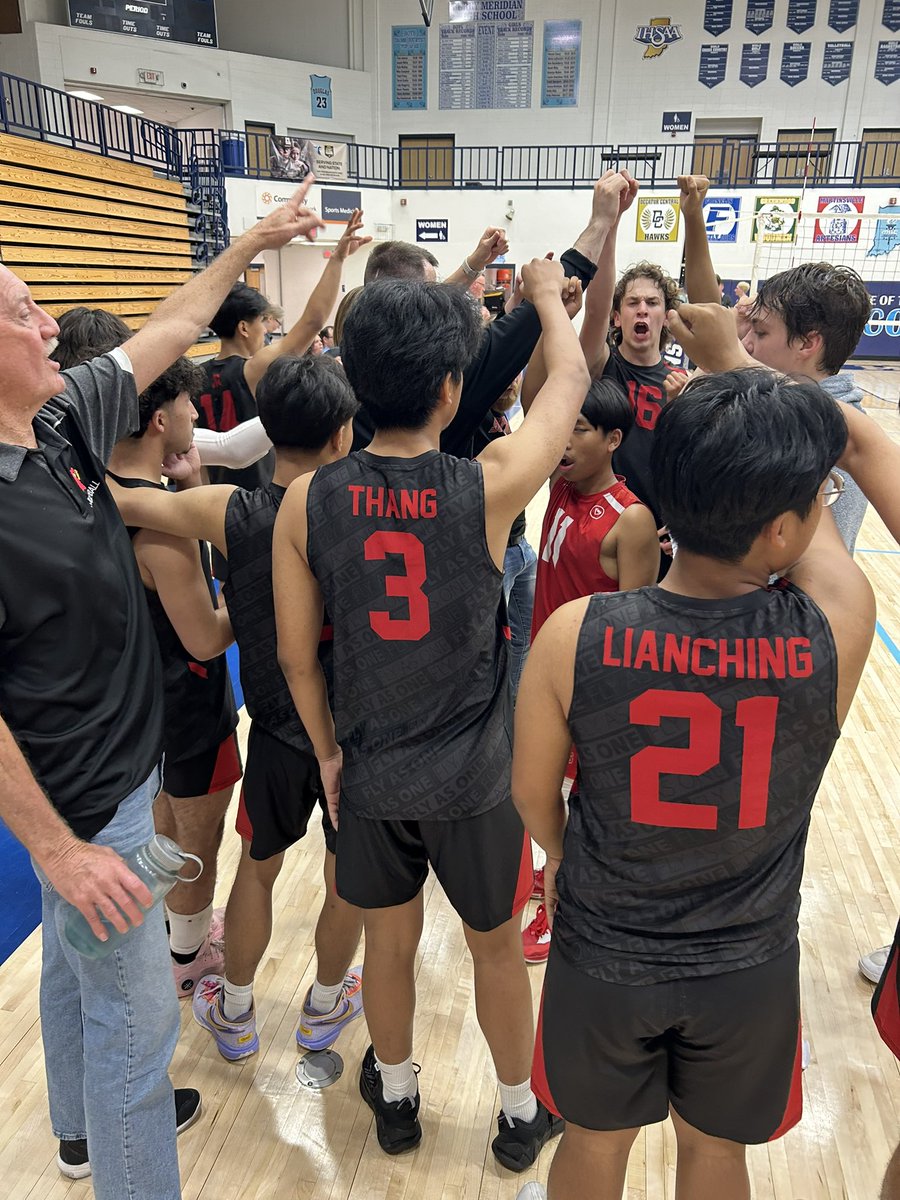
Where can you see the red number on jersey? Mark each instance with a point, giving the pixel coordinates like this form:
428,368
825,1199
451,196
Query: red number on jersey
755,716
408,585
646,402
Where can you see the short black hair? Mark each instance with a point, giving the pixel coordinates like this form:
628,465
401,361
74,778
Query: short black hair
736,450
818,297
399,343
243,303
398,260
182,376
86,332
304,400
607,407
327,332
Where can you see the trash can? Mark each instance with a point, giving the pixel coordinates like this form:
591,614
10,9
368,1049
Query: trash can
233,155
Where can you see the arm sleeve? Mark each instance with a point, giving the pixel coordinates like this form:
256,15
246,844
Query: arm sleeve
574,263
235,448
103,394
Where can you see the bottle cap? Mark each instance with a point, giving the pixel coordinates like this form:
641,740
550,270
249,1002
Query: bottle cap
165,854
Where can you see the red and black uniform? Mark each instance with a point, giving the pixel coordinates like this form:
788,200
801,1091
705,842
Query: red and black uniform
703,728
644,386
422,703
200,743
281,782
574,529
886,1001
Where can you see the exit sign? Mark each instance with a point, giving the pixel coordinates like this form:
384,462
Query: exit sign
155,77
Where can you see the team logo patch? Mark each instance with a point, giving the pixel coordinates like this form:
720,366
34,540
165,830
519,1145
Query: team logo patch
658,36
598,511
75,475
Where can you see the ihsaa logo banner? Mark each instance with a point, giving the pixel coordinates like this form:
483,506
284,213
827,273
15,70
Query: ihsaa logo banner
658,36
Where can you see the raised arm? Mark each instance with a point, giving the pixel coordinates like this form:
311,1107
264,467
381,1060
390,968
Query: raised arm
318,309
176,570
178,321
708,335
598,303
699,276
239,447
536,374
491,244
299,609
873,460
198,513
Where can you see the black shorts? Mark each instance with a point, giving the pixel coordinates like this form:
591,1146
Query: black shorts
281,789
483,863
886,1001
213,770
723,1050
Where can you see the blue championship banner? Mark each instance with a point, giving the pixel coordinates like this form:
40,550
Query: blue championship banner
713,63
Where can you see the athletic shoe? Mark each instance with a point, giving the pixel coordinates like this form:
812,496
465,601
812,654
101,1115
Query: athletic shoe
537,891
871,966
518,1143
73,1161
536,938
234,1039
318,1031
210,960
532,1191
396,1122
217,926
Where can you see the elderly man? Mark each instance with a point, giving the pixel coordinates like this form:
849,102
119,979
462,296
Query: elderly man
81,719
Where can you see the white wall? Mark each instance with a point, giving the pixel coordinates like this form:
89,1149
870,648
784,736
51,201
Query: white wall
302,29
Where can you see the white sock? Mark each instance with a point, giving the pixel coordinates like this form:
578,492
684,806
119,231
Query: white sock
237,1000
398,1081
323,998
518,1101
187,933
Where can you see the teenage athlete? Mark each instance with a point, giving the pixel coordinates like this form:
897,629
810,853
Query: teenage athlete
405,546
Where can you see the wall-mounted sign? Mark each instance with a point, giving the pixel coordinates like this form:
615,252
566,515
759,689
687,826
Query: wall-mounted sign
836,62
677,122
156,78
320,95
837,222
801,15
717,16
776,218
887,62
338,205
890,17
760,15
658,219
433,230
409,66
658,36
721,213
191,21
754,63
562,64
887,232
795,62
842,15
713,64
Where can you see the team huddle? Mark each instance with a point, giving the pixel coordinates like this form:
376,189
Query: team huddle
683,645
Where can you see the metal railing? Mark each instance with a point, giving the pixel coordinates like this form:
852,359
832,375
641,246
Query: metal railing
32,110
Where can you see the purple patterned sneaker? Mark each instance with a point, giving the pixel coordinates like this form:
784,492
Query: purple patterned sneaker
318,1031
234,1039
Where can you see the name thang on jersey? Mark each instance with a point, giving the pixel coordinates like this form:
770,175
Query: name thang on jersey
404,504
740,658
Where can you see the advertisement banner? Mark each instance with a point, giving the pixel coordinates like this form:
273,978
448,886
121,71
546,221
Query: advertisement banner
881,337
338,205
837,223
775,218
658,219
721,213
293,158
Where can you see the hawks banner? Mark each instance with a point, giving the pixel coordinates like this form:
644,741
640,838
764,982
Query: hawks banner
837,221
776,218
658,219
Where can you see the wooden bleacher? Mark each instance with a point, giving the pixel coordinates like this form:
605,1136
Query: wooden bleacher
81,229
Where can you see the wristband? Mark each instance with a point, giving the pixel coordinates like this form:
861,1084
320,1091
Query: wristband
470,272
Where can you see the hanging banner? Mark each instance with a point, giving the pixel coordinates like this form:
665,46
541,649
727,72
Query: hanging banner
887,232
721,213
713,63
760,15
890,18
293,158
887,62
837,223
717,16
776,218
409,66
801,15
881,336
320,95
754,63
658,219
842,15
562,64
795,62
330,162
837,62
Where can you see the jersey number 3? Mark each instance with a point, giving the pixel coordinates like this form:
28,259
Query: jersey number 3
755,716
408,585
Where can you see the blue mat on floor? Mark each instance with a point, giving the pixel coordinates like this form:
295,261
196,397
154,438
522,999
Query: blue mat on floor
20,893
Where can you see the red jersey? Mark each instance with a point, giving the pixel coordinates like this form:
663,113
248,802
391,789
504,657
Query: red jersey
573,532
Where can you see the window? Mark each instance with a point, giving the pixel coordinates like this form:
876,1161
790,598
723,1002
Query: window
879,157
427,160
726,161
803,154
259,147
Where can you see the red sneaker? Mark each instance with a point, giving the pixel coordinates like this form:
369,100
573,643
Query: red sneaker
537,891
536,938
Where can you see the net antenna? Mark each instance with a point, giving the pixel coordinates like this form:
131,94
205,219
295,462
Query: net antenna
427,8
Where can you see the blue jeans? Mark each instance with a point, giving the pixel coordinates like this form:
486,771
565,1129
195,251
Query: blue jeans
519,574
109,1028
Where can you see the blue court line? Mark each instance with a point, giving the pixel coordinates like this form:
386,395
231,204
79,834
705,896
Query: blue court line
860,550
892,647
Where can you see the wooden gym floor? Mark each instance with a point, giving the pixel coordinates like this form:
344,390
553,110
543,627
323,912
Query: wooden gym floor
261,1136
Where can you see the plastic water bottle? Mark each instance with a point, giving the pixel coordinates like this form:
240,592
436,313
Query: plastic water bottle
157,865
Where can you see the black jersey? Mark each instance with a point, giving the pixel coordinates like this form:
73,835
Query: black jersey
249,525
421,691
703,728
644,386
226,401
199,701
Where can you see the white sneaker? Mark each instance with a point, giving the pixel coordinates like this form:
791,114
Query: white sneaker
532,1191
871,966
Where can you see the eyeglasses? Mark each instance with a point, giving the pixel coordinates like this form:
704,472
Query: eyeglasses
834,487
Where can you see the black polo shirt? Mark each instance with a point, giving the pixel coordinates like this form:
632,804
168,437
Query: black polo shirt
80,680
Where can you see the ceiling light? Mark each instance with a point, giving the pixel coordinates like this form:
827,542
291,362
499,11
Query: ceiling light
127,108
86,96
